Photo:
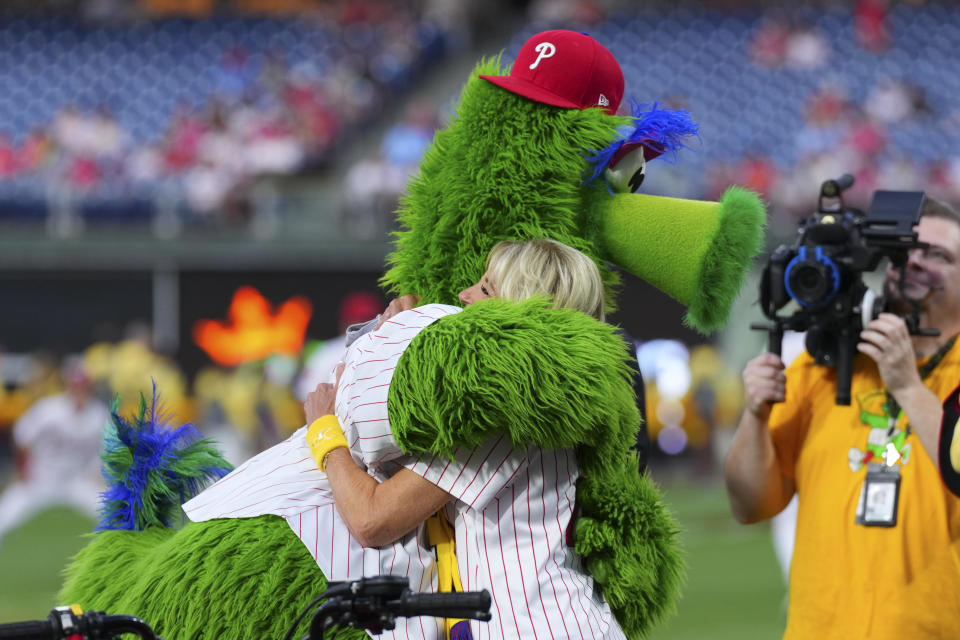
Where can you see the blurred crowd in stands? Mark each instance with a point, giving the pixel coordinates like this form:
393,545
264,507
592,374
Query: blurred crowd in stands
266,96
841,135
373,185
787,95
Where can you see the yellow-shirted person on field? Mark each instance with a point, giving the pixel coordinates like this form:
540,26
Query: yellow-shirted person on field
877,529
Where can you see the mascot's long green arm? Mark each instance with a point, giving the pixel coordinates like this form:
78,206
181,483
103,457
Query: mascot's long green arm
554,378
504,168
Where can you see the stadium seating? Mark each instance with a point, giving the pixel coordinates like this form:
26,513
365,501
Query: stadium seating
144,75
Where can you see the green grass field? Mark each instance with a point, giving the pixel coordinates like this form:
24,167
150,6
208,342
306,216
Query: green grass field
31,559
733,588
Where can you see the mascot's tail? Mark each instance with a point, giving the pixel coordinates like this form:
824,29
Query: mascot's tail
229,578
151,469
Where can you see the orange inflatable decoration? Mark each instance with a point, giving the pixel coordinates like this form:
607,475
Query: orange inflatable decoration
252,330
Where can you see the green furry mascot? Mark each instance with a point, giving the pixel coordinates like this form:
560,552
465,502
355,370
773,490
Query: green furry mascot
534,153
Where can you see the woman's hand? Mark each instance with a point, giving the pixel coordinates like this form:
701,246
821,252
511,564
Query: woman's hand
398,305
322,400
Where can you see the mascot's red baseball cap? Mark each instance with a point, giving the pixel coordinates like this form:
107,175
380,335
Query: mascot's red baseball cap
565,69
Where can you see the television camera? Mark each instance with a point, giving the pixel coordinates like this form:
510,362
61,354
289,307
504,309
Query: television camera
822,272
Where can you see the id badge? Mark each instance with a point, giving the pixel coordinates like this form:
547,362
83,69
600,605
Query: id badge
879,496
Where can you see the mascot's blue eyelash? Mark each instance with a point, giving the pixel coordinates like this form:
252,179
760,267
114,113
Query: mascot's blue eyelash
665,128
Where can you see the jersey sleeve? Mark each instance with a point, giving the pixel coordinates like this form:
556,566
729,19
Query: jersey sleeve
475,474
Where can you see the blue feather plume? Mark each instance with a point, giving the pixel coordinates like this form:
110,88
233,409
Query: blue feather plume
151,468
661,129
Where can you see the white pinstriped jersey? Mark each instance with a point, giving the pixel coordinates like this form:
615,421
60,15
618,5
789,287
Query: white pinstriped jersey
285,481
365,383
511,514
512,509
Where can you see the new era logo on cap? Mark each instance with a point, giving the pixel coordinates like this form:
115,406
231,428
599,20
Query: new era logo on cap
565,69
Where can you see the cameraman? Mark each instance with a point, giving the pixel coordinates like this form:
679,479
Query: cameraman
877,532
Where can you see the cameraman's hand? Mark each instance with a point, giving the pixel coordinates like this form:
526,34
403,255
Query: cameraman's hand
397,305
764,383
887,341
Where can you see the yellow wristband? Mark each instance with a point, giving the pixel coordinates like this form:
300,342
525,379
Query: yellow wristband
323,436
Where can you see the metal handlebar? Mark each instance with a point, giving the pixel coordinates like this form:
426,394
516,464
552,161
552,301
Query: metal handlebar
66,622
368,603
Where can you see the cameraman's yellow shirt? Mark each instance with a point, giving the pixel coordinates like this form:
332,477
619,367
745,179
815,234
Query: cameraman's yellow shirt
848,580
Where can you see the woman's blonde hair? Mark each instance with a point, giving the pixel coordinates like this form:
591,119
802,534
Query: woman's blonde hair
521,269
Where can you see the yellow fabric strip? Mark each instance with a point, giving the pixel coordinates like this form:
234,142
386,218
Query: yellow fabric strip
440,537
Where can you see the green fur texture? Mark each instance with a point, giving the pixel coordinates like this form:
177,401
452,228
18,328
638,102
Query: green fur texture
503,168
628,540
739,238
697,252
238,578
559,379
521,366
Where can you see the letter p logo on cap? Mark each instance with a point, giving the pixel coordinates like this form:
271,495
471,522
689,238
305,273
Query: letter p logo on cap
544,50
581,75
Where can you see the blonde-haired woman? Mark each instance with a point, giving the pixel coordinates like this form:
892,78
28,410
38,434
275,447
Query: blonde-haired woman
517,270
362,514
511,508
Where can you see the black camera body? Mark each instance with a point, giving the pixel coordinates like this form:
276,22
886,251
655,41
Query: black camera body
823,274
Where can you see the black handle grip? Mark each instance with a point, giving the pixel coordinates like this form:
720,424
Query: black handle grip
30,630
90,624
470,604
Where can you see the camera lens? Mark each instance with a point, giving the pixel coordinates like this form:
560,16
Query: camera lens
809,280
810,283
812,277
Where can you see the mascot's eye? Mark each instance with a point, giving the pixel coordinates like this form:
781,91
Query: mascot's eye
626,174
483,289
637,179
